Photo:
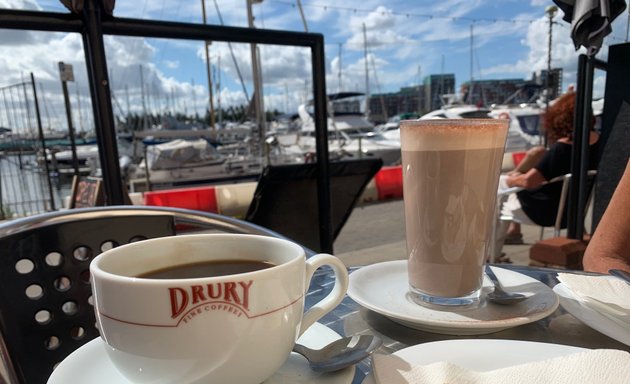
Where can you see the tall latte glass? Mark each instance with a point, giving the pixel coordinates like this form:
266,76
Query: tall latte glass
450,175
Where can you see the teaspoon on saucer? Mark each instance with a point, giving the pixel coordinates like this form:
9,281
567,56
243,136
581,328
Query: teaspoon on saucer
499,295
340,353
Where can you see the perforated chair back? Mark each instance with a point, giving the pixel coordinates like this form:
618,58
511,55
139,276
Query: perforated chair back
286,201
45,302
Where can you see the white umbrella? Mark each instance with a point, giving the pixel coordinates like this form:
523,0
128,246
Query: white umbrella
590,20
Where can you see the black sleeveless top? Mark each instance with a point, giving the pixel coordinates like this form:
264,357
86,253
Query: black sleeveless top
540,204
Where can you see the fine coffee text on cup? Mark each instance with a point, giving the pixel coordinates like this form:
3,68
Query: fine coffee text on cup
191,301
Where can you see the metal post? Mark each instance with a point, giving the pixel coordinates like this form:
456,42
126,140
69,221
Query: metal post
551,12
580,153
147,175
73,145
326,236
43,141
102,103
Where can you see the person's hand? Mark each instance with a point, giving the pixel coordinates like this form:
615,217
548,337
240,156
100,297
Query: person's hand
532,179
510,180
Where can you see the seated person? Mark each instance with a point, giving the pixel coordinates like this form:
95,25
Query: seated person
532,157
609,247
538,202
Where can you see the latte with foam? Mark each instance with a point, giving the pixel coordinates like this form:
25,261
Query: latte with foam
450,176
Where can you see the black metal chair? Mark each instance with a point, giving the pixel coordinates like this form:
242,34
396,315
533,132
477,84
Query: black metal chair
285,199
45,302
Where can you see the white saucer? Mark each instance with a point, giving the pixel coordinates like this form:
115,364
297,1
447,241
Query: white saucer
90,364
481,355
383,288
594,319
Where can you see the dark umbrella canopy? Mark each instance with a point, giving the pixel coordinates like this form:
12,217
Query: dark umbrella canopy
590,20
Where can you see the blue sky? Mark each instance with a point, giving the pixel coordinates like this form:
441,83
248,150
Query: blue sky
406,40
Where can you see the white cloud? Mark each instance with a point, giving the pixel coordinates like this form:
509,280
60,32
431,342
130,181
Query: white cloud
535,42
27,5
171,64
402,44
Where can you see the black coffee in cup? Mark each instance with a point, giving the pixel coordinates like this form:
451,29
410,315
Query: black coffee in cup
212,268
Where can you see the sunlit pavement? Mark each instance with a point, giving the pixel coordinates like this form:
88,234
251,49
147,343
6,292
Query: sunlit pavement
376,232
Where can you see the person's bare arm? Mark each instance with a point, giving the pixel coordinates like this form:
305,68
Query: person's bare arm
610,246
532,157
531,179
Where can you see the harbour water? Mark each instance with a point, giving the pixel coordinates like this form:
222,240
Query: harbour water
25,188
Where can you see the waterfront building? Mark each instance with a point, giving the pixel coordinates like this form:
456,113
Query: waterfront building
500,91
555,81
386,105
435,86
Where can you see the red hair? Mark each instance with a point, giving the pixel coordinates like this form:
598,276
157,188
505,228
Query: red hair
559,117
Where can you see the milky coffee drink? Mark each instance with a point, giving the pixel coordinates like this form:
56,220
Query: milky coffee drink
450,174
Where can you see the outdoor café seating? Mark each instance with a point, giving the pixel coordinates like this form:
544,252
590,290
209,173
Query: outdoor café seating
47,314
46,305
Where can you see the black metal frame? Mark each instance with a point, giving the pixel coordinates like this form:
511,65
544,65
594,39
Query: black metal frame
92,23
578,192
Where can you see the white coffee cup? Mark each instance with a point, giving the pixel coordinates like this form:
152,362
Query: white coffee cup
237,328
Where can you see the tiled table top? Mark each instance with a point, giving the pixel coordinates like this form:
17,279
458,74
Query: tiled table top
350,318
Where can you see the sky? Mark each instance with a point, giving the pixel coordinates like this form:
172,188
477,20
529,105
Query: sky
402,41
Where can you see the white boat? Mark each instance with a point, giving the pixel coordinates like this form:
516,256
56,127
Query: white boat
525,124
350,134
181,162
345,114
393,122
391,131
61,161
457,111
523,130
341,146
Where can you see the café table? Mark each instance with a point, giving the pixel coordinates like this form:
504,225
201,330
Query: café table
349,318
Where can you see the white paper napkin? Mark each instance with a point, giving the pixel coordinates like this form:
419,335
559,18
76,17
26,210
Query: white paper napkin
503,188
594,366
602,293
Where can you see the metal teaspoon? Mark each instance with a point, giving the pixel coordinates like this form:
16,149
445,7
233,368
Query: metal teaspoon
340,353
499,295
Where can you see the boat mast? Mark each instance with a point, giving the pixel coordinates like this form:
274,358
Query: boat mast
367,78
380,92
236,66
259,130
419,89
218,85
299,4
339,72
470,92
208,71
145,125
